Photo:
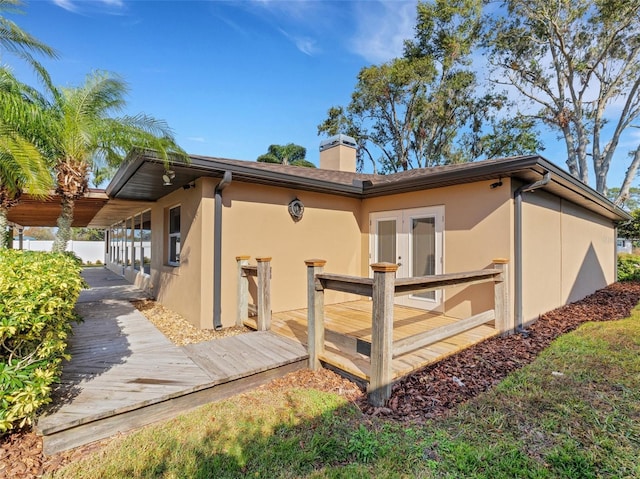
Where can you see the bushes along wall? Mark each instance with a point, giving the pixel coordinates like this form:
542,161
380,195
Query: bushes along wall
38,292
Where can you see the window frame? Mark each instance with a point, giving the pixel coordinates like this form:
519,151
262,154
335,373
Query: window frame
173,235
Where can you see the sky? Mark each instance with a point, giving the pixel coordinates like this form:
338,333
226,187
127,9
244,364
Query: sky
229,77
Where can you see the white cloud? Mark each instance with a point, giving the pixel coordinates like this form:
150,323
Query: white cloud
66,4
296,10
381,29
74,5
197,139
306,45
372,29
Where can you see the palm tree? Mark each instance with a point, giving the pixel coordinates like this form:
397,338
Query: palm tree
22,165
289,154
19,43
85,137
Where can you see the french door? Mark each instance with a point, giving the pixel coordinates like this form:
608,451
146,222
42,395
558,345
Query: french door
413,239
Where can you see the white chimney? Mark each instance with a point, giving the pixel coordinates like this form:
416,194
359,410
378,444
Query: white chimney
338,153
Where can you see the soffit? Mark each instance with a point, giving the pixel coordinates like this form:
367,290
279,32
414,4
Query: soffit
116,210
32,211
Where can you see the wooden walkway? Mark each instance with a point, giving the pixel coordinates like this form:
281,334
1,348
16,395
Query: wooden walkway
348,336
125,374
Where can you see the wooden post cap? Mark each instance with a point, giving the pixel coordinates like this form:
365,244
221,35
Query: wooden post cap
242,258
263,259
500,261
384,267
315,262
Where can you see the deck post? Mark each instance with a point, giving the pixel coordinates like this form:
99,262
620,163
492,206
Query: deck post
315,312
243,291
503,321
264,293
381,376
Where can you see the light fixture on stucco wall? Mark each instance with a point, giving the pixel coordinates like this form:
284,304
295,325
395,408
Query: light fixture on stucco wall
296,209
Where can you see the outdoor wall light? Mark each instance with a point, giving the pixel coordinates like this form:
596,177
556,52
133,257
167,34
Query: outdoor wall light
167,177
296,209
496,184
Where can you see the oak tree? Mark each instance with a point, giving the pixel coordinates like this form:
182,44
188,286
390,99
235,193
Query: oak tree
576,65
424,109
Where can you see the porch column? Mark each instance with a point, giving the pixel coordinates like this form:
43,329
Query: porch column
243,291
504,321
315,312
380,382
264,293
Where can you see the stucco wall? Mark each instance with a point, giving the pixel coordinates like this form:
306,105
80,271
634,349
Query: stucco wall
476,231
180,288
588,258
568,253
542,254
256,222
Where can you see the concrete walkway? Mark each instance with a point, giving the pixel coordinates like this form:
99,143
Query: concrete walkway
124,373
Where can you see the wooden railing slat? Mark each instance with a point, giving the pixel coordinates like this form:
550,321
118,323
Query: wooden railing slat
418,341
361,289
250,270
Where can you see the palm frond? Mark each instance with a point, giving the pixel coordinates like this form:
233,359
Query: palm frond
22,167
16,40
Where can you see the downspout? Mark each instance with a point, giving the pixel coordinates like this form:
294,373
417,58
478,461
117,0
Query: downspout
217,250
615,252
517,196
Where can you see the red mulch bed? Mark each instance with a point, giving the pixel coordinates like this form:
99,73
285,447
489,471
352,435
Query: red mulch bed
437,389
430,392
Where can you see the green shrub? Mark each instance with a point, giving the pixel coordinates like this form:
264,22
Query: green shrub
628,267
38,292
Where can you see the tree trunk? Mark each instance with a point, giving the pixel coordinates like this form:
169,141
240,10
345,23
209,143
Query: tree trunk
632,171
64,226
3,228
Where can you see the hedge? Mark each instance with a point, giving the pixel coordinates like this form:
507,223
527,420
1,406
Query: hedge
38,292
628,267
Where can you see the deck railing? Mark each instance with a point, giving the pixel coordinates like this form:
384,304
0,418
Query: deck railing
382,288
262,307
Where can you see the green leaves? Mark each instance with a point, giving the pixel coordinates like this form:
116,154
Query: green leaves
576,68
424,109
289,154
38,292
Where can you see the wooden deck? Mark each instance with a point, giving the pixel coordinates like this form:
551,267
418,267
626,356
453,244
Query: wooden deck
348,336
125,374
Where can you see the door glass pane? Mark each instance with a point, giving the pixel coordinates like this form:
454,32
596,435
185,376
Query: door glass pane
423,247
386,241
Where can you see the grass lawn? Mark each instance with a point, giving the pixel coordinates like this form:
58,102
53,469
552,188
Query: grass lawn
574,412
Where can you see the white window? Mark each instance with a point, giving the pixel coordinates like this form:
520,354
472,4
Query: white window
174,236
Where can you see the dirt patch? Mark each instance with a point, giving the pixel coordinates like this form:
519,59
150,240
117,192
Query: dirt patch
430,392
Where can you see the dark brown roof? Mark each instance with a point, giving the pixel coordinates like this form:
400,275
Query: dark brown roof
140,178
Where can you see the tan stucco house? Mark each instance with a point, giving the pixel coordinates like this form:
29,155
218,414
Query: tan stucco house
178,232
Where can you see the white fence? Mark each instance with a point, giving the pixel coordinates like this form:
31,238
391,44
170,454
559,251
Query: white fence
88,251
